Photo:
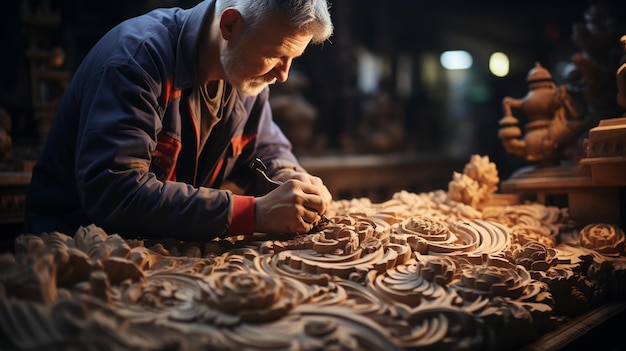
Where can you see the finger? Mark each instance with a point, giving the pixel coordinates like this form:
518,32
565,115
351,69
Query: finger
320,191
318,187
310,216
317,181
328,197
292,175
314,203
304,226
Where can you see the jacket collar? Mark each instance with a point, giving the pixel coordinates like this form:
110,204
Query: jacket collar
192,21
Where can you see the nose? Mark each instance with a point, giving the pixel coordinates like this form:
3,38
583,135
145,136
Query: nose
281,71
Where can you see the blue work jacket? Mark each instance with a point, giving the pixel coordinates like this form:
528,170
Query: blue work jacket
123,151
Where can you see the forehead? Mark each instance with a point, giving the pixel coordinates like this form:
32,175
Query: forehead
275,32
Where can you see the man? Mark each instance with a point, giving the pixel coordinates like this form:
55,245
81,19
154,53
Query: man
165,114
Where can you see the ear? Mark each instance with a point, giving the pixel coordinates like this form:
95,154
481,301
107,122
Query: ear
230,22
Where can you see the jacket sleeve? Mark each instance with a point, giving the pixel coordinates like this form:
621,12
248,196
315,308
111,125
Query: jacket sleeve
113,154
270,145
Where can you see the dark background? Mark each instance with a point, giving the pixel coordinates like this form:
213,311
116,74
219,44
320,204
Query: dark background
434,119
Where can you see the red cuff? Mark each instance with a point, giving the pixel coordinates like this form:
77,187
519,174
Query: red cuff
244,215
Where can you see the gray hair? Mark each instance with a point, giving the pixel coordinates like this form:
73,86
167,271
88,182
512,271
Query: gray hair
309,15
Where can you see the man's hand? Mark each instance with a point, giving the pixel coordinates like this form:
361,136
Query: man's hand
286,174
293,207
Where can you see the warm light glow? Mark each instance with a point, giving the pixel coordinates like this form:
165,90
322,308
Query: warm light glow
499,64
456,59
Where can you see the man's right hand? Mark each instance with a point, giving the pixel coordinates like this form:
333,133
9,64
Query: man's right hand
293,207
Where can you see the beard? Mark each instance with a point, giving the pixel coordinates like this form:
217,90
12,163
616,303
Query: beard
236,76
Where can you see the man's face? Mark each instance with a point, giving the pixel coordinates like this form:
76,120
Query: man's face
263,55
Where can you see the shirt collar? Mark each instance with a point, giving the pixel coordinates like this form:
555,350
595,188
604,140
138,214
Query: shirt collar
193,21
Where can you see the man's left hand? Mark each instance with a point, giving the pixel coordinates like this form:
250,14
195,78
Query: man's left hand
285,174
